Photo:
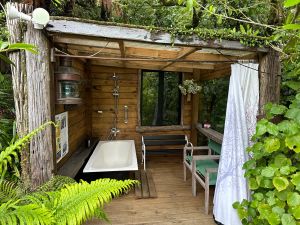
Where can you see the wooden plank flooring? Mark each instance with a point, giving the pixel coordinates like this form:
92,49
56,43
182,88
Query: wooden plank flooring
146,187
174,205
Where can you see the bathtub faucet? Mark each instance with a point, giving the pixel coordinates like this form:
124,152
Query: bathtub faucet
114,131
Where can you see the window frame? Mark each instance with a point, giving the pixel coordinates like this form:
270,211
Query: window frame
178,126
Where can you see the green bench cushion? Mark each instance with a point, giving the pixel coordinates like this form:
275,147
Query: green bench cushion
214,146
201,166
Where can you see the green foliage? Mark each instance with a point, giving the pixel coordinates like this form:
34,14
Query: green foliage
274,170
88,9
73,204
214,98
185,18
12,213
55,183
9,190
60,201
6,111
10,155
3,28
6,47
161,109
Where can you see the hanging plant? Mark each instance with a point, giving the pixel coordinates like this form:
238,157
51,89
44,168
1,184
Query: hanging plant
189,87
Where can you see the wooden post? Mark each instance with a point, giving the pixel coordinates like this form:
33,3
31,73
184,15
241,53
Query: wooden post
195,110
31,78
269,79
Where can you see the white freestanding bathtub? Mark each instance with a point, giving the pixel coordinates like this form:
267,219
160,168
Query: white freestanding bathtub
119,155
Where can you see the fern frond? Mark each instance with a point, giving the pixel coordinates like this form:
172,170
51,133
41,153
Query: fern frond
55,183
12,213
10,155
80,202
8,191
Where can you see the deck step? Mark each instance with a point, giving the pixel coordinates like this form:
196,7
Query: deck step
146,188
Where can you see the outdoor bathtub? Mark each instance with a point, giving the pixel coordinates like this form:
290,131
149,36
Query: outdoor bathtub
108,156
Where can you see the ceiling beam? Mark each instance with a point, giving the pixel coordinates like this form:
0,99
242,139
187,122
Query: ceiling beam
122,51
138,65
182,54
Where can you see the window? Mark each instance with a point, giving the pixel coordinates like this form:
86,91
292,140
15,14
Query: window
160,98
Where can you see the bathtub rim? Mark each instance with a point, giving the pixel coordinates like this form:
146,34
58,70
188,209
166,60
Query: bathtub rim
132,167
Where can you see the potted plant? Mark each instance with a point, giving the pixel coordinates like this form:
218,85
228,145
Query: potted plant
189,87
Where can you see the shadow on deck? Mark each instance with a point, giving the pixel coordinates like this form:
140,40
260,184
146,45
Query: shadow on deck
174,204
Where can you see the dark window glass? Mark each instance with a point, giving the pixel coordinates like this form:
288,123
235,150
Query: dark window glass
160,98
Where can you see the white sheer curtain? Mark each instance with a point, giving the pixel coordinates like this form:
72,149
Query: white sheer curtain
242,107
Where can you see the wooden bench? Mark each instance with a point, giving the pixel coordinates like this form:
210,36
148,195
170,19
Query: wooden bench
176,141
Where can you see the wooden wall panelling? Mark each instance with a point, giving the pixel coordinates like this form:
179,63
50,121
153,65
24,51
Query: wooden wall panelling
102,87
78,122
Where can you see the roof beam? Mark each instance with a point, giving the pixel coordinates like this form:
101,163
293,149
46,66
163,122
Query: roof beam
182,54
122,51
74,27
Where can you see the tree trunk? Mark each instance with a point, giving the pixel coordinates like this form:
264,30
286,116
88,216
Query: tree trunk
106,6
269,79
31,84
39,110
19,80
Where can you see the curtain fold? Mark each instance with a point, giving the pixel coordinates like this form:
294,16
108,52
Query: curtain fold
240,122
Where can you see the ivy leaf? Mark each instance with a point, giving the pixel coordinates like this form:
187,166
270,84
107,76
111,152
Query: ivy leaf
271,144
288,127
242,212
293,199
281,160
293,143
266,183
290,3
253,185
261,127
293,114
296,179
250,164
268,172
236,205
285,170
296,212
282,195
280,183
259,196
278,109
272,129
273,219
287,219
278,210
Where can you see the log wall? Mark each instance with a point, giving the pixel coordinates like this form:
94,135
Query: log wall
78,121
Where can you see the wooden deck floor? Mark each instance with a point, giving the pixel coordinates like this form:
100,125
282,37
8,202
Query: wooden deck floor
174,205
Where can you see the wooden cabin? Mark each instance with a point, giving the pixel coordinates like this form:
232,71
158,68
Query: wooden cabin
97,51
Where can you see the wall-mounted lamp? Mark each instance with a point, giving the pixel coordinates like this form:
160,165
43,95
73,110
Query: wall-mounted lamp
40,17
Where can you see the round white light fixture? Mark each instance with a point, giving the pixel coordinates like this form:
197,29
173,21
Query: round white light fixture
40,17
